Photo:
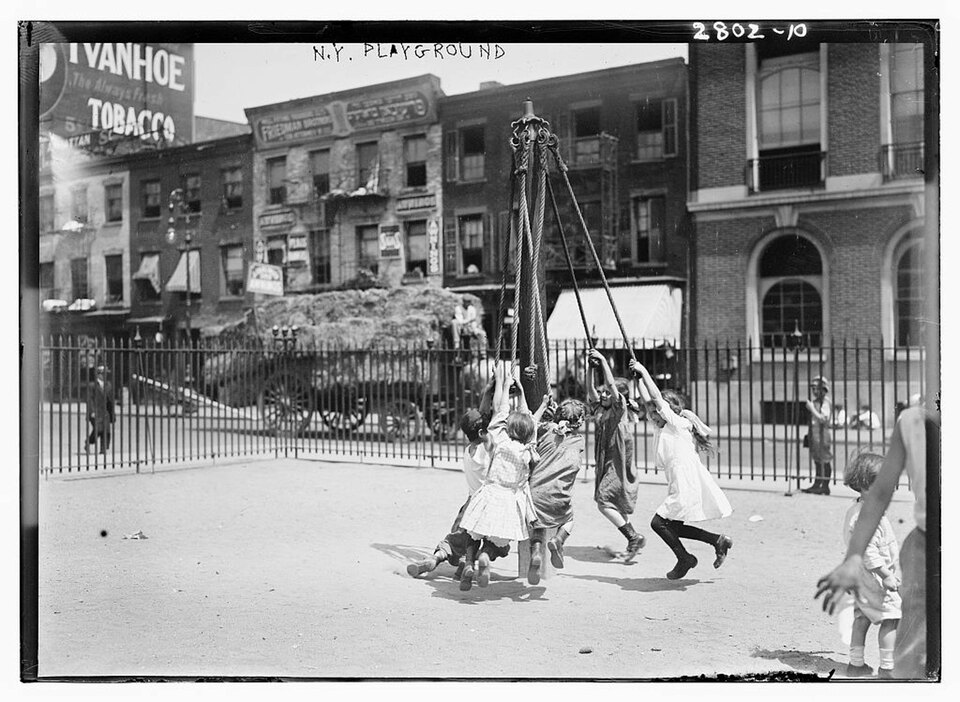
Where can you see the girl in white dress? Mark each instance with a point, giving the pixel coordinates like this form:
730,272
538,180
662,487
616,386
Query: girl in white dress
502,509
692,493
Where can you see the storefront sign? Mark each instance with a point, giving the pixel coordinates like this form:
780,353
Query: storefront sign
121,97
265,279
296,256
341,118
390,244
295,242
260,251
419,202
433,247
273,220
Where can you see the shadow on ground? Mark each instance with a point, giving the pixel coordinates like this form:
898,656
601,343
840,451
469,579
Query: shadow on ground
803,661
644,584
500,588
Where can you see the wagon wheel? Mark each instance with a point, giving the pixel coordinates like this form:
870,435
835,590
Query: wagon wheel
347,414
400,420
284,403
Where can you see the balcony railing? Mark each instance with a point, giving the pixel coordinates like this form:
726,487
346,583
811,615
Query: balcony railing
901,160
799,169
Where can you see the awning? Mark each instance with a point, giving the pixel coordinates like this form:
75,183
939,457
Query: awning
149,270
651,314
178,281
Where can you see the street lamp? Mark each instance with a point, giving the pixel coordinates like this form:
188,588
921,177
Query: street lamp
178,207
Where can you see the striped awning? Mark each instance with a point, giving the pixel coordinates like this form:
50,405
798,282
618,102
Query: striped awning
178,281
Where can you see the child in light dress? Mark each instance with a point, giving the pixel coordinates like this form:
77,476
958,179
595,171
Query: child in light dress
692,493
501,510
879,602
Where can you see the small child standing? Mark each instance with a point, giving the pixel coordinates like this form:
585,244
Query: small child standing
617,479
692,493
880,576
502,509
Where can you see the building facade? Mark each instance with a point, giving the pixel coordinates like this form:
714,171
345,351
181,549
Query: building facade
622,134
347,186
808,200
84,237
215,183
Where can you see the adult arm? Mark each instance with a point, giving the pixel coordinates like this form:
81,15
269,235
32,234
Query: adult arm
843,578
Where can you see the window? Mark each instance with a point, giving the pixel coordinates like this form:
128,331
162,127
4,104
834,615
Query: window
470,236
47,213
151,198
113,197
147,277
78,278
368,248
788,118
78,205
320,170
789,104
191,192
321,256
906,93
473,153
648,218
415,158
276,175
231,264
47,280
368,165
586,136
416,235
113,266
232,187
790,277
908,307
656,129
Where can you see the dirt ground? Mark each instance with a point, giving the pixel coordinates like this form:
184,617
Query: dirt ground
296,569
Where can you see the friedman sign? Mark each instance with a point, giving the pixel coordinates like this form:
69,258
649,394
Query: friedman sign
97,94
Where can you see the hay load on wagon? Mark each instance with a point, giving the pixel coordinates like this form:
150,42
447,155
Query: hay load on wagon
357,352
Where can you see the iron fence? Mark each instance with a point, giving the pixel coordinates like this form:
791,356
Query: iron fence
401,403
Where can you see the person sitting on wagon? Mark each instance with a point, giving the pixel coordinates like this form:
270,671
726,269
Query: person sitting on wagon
865,419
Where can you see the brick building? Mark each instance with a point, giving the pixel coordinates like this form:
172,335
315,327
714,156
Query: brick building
348,184
623,135
215,179
807,197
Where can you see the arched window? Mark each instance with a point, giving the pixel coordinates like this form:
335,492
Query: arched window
790,290
908,292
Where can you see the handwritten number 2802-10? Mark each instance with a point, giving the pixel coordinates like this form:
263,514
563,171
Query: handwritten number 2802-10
751,31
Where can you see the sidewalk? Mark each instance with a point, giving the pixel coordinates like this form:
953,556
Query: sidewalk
297,568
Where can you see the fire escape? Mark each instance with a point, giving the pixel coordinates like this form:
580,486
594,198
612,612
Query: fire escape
592,163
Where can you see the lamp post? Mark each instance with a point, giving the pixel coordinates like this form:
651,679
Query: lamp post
178,207
795,341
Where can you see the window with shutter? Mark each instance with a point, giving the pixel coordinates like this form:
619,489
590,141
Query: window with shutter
670,127
451,155
450,244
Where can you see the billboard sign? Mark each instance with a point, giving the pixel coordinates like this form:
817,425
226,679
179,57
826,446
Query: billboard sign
264,279
341,118
390,243
110,97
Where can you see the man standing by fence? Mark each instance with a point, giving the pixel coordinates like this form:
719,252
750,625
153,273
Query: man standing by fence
100,410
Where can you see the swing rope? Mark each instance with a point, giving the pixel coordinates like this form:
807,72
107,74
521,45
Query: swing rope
562,167
523,152
510,234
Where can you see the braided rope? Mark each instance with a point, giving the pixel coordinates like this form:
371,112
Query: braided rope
510,233
538,245
524,225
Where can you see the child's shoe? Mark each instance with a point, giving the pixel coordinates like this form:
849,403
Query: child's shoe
859,671
556,552
459,573
683,565
722,547
466,578
483,570
536,561
634,544
421,567
883,673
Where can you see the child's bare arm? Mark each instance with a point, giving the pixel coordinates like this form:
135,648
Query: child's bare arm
542,408
608,379
486,398
592,395
648,388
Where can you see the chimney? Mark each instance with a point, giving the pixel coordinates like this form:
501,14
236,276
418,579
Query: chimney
490,85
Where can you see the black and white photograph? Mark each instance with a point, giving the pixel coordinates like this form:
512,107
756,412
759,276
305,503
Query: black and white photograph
458,350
